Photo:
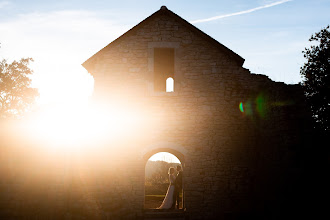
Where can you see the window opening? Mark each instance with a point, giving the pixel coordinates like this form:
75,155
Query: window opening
170,84
163,68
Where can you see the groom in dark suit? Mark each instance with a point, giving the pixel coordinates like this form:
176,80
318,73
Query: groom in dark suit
177,189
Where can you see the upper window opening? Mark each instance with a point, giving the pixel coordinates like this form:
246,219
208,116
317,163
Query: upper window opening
163,68
170,84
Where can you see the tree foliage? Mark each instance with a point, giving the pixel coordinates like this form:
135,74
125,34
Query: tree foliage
316,77
157,172
157,179
16,95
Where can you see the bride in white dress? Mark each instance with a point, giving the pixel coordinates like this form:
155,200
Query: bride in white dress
168,200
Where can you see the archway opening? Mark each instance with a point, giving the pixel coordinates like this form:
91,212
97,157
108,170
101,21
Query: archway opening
157,181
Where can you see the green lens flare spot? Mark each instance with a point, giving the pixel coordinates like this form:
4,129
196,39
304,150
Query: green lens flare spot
241,107
261,105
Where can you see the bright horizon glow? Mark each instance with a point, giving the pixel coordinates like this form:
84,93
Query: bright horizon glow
165,156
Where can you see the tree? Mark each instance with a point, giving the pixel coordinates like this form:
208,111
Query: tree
316,77
16,95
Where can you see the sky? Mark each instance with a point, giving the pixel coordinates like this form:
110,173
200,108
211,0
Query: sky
164,156
60,35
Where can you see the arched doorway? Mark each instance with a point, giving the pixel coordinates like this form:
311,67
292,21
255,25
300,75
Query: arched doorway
157,178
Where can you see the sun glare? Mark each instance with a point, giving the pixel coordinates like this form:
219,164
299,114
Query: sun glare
73,127
66,120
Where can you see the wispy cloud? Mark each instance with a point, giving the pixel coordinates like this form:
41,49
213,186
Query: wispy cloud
240,12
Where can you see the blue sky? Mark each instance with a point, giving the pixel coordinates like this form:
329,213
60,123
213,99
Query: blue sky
60,35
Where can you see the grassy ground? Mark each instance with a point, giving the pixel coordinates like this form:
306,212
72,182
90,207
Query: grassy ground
154,201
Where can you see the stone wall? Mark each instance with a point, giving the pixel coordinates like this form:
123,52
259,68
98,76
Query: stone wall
231,157
235,162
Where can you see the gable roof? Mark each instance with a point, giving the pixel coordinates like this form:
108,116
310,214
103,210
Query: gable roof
164,11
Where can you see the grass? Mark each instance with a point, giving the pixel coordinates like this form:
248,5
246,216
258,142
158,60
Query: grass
156,196
154,201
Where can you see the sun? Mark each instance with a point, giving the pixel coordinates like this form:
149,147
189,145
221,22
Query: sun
75,127
69,119
72,85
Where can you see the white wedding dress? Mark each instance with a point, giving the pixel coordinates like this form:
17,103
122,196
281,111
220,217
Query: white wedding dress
168,200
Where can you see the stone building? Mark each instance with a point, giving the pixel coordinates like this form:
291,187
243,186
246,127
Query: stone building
235,133
232,130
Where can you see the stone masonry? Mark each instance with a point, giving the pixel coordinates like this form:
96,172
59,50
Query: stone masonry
235,133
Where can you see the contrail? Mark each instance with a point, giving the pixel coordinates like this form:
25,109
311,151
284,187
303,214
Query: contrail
239,13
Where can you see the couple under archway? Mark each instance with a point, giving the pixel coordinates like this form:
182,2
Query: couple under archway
172,199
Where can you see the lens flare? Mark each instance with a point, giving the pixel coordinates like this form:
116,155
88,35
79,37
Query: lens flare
248,108
241,108
261,105
254,107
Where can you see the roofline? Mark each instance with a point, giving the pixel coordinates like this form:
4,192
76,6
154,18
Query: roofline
237,57
164,9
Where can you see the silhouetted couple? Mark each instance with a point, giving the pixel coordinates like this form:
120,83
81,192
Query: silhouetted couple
172,197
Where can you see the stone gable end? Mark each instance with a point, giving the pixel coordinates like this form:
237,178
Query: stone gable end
128,61
236,135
